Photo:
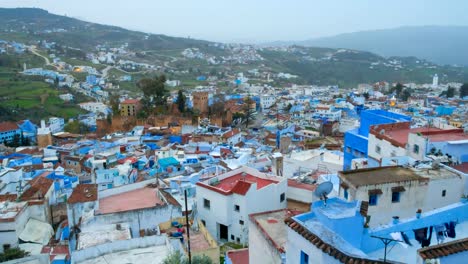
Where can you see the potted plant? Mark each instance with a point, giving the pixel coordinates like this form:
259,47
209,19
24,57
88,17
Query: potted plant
396,219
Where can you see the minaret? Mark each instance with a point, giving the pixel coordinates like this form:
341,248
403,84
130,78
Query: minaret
435,81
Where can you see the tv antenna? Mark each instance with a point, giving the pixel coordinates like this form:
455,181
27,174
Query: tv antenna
323,190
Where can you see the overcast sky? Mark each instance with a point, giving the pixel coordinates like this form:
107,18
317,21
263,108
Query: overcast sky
256,20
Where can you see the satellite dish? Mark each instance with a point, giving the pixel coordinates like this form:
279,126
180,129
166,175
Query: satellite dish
323,190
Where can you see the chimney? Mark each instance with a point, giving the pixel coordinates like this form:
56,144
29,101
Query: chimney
43,124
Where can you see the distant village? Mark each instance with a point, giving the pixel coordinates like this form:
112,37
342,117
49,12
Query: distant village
261,174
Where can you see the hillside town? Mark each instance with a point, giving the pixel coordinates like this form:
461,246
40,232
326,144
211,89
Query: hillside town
249,167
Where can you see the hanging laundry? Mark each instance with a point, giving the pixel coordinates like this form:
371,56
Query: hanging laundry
451,229
397,236
441,233
420,234
406,239
427,241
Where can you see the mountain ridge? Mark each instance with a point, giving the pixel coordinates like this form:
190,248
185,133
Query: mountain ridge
438,44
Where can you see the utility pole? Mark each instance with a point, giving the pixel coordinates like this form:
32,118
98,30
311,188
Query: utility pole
188,228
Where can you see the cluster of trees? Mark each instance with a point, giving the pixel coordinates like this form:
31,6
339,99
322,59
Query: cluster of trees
178,258
76,127
154,95
450,92
464,90
12,253
18,140
401,92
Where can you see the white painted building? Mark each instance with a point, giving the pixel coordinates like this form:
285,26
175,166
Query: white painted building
95,107
267,101
225,201
397,191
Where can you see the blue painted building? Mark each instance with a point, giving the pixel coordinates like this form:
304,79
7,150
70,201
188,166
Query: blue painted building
8,130
356,140
336,232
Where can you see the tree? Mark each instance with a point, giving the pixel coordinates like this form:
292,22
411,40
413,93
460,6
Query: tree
76,127
249,113
13,253
366,95
154,91
405,95
449,93
181,101
464,90
114,103
178,258
397,89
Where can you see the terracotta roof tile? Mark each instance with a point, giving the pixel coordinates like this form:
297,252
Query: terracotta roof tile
443,250
240,256
39,188
325,247
8,126
84,193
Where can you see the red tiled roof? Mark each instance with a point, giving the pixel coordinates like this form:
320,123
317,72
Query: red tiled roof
300,185
231,133
241,187
131,101
54,251
132,200
240,256
7,197
238,183
325,247
445,135
39,188
84,193
443,250
8,126
462,167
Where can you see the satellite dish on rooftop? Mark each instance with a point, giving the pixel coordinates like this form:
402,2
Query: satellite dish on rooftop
323,190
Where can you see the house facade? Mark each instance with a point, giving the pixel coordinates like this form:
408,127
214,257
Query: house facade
224,202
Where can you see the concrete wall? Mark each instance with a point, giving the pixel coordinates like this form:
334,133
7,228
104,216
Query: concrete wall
454,189
300,195
386,148
260,249
139,219
410,201
296,243
115,246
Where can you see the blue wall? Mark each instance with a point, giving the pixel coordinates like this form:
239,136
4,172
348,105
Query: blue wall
356,140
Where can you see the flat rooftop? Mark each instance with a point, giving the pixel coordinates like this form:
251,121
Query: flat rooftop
10,209
271,224
102,234
133,200
155,254
379,175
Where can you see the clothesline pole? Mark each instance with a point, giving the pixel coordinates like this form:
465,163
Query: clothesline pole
386,242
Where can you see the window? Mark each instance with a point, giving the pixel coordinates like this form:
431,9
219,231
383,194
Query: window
282,197
304,258
348,149
203,222
395,197
416,149
444,192
206,203
377,149
232,237
6,247
238,240
236,208
373,199
345,194
241,222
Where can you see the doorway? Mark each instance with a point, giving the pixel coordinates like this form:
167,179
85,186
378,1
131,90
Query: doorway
223,232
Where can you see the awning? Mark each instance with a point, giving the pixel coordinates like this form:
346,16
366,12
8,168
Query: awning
37,231
398,189
375,191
